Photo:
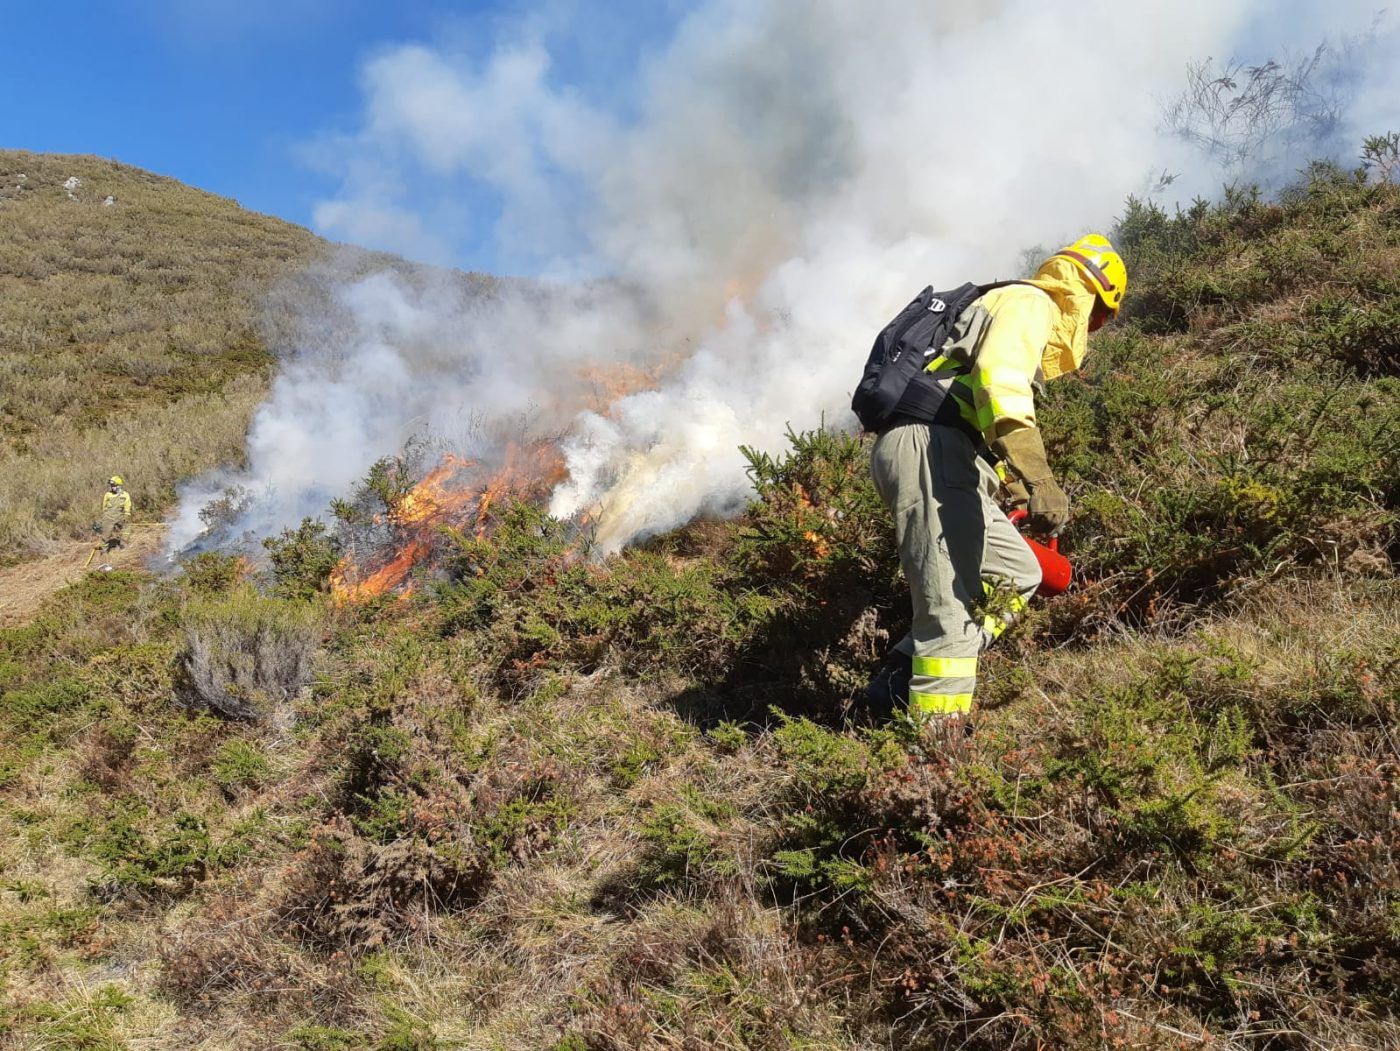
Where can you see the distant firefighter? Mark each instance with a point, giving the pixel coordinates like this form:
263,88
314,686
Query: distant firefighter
116,513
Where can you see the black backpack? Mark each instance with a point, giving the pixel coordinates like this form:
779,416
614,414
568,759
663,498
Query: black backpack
894,382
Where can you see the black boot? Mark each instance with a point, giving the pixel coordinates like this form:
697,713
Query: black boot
888,691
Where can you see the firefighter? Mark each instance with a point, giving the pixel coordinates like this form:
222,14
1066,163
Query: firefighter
969,571
116,513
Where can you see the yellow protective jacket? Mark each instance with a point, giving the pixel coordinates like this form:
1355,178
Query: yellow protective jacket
116,505
1014,337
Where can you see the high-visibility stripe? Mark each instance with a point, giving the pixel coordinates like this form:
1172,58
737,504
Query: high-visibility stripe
1017,601
1012,406
995,625
941,364
1006,378
940,703
946,667
979,416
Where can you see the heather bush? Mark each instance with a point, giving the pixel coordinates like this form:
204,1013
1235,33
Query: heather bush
246,656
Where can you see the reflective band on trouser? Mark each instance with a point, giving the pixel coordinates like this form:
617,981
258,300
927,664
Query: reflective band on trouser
995,624
945,685
940,703
946,667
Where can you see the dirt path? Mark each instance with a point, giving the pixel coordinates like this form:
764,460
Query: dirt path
24,587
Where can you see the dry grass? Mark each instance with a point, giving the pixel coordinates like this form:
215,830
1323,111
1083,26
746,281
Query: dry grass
130,337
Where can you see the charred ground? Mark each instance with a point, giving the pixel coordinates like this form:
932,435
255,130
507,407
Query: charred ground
549,802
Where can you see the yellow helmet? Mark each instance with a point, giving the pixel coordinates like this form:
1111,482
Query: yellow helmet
1099,261
116,479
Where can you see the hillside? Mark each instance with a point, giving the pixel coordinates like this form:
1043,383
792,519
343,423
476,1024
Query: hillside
545,802
121,325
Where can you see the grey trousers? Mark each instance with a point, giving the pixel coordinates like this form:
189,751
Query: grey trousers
960,554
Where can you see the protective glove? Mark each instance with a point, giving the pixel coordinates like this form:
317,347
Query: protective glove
1018,497
1048,505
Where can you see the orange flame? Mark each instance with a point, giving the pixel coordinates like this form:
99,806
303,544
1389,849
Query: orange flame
387,577
433,498
447,496
820,547
453,494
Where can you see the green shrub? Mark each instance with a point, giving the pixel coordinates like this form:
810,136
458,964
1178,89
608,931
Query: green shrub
303,559
210,573
239,764
143,855
525,589
675,848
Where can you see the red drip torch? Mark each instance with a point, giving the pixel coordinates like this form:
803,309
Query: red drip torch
1055,569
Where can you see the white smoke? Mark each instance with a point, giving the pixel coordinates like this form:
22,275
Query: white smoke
787,175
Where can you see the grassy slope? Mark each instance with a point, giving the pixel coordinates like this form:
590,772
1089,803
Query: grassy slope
119,328
552,804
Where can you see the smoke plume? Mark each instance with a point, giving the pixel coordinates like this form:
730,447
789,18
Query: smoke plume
709,259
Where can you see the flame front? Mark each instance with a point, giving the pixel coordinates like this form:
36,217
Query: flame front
434,499
451,495
459,494
387,577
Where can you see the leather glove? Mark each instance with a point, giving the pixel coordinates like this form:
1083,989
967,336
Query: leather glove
1048,505
1018,497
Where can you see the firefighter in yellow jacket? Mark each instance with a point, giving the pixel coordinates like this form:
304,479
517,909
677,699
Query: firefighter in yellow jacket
957,547
116,513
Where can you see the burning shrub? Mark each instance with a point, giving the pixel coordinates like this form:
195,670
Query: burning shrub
246,655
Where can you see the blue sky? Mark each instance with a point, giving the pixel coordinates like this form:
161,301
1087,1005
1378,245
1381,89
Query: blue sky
226,94
418,126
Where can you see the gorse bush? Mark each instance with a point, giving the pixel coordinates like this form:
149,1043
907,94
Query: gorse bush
527,590
303,559
1268,438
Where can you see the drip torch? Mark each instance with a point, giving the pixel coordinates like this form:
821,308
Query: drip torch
1055,569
